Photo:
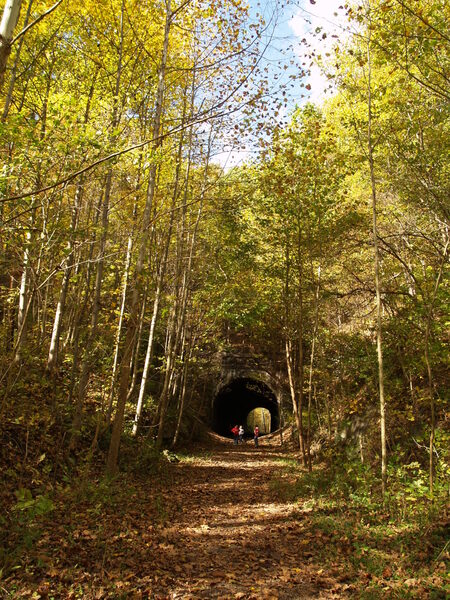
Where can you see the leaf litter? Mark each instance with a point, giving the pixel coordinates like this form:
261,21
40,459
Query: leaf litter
214,528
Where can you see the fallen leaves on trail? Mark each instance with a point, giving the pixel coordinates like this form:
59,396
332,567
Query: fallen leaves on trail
216,528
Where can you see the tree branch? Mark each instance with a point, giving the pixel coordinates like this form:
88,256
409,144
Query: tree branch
36,21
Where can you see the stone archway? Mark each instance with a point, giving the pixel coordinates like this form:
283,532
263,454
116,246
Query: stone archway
237,398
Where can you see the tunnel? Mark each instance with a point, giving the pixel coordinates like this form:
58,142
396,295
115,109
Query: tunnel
235,401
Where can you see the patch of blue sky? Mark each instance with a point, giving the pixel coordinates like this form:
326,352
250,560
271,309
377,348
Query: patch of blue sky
299,32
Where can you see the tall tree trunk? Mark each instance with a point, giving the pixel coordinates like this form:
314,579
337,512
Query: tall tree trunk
87,361
327,407
311,366
170,362
125,278
288,354
186,356
301,358
80,312
173,333
292,389
24,300
151,336
8,23
182,279
52,360
376,252
88,356
134,361
12,80
23,293
429,372
159,285
10,320
187,351
113,453
53,353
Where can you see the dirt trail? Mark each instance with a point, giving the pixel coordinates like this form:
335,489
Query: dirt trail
214,526
232,537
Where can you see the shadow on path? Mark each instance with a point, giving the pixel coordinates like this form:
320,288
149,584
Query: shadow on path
214,528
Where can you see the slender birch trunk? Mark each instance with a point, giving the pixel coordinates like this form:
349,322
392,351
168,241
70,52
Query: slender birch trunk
183,274
8,23
10,320
288,352
170,359
301,359
86,363
159,286
172,337
81,311
24,295
113,453
311,366
187,353
134,361
429,372
185,294
151,337
126,275
86,367
53,353
327,407
12,80
175,322
125,287
370,148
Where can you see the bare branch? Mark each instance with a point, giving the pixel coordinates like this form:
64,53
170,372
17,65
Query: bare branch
36,21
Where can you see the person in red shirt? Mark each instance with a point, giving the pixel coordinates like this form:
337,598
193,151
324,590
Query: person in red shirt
256,435
235,432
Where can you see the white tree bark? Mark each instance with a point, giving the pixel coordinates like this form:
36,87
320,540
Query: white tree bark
8,23
12,81
113,453
376,252
126,275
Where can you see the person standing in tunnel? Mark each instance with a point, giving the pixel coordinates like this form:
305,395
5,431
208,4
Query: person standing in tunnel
256,435
241,434
235,432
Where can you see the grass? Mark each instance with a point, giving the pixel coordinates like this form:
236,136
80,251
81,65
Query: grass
290,463
389,550
189,457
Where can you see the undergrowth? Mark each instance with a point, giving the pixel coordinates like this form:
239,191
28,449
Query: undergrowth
42,486
398,548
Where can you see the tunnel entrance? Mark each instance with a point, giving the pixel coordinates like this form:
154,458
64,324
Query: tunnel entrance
234,403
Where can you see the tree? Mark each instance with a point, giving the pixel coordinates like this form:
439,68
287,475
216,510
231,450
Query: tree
8,23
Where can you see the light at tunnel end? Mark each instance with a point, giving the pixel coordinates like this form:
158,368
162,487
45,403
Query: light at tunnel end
239,401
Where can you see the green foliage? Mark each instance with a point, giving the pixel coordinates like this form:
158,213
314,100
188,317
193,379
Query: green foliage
141,458
23,526
96,493
388,548
347,479
28,507
409,494
265,232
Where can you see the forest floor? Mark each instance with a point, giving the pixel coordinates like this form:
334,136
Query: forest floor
220,523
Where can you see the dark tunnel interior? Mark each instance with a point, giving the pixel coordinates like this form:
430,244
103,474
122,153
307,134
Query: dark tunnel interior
235,401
